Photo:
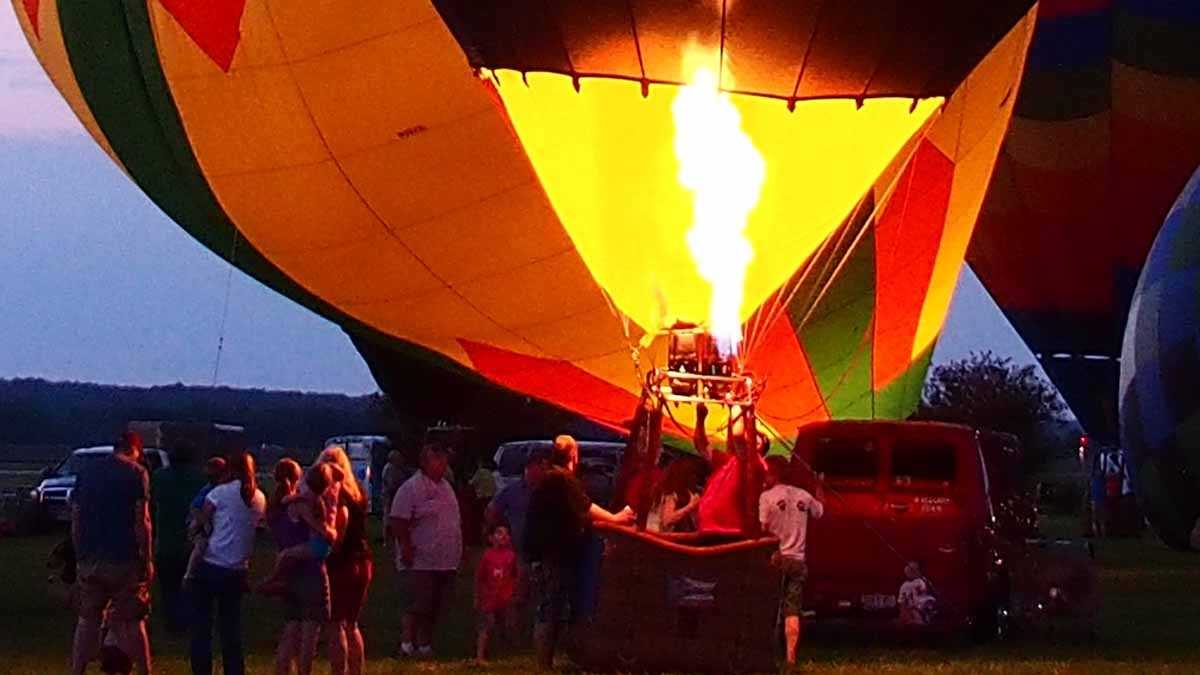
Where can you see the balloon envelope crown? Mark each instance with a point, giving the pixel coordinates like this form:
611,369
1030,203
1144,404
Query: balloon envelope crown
786,49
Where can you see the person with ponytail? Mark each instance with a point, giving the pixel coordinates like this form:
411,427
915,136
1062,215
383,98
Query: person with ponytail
235,509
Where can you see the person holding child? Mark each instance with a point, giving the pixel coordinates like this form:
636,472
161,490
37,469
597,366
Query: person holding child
306,598
198,528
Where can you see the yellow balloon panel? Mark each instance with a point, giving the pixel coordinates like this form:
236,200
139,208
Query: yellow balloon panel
989,95
355,149
606,157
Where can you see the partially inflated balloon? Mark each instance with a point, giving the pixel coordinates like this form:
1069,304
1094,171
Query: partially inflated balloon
1160,366
524,225
1105,134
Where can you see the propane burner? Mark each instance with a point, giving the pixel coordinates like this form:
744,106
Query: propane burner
697,372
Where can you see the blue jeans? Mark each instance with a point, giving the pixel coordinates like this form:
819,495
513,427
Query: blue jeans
224,588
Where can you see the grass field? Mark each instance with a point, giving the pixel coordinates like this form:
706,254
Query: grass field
1150,624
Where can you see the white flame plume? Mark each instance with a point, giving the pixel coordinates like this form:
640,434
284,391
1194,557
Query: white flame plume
720,166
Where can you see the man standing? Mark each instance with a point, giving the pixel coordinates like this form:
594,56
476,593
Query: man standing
111,531
783,511
556,537
426,523
172,490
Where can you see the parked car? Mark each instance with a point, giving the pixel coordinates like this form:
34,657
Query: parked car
598,463
360,450
899,492
53,494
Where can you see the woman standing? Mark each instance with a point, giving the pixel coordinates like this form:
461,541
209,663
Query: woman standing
350,571
235,510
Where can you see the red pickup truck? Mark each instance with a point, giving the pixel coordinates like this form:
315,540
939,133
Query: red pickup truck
897,492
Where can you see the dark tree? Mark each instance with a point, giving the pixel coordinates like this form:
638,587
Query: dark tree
989,392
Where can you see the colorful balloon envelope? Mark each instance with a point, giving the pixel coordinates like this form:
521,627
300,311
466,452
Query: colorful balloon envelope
509,206
1105,134
1160,362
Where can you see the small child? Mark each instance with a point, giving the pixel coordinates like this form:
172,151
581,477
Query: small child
916,600
316,504
495,587
199,529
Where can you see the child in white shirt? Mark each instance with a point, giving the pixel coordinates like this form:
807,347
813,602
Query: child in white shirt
916,599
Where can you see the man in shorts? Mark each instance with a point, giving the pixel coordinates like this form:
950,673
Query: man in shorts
427,526
557,534
111,532
783,511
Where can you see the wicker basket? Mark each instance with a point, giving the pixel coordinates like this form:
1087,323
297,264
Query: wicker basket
681,604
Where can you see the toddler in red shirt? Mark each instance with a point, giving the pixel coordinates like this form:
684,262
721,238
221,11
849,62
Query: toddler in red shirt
495,587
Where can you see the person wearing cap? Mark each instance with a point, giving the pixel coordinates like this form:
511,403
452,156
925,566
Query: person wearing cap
426,523
556,540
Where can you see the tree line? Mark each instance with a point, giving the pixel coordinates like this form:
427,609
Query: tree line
37,412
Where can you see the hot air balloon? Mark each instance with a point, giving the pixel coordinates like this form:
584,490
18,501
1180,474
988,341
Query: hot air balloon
1105,134
493,192
544,196
1160,364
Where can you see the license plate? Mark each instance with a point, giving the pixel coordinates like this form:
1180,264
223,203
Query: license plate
875,602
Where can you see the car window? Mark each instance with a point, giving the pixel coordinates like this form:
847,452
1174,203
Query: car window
358,451
76,463
512,460
923,464
153,461
847,463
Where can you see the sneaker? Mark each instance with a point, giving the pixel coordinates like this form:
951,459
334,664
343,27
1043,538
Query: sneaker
425,652
405,650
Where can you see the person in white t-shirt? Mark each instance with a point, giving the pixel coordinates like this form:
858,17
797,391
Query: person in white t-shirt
426,524
784,511
235,509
